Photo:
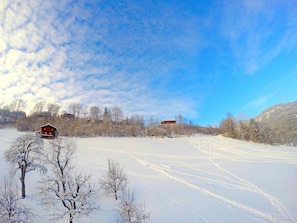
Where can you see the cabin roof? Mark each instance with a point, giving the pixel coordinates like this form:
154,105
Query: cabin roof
168,121
48,124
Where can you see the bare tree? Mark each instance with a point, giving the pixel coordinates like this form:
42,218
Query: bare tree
131,212
26,153
180,119
64,188
84,112
76,109
11,209
17,105
53,109
115,179
38,107
95,113
117,114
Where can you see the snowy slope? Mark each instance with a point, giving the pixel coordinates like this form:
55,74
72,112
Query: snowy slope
189,179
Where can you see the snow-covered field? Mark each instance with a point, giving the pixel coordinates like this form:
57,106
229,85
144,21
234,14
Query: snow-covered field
188,179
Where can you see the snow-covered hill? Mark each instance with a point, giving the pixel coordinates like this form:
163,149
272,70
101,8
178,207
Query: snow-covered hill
188,179
280,116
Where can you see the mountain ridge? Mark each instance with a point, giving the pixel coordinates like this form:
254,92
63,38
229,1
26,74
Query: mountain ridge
283,115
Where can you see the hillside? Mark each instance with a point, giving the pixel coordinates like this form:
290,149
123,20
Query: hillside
276,125
279,116
188,179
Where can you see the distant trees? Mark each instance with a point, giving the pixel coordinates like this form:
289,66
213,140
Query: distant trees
251,130
76,109
53,109
117,114
95,113
26,153
39,107
227,126
69,193
79,120
11,208
9,114
114,180
17,105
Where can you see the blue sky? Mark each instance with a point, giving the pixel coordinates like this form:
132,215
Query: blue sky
200,59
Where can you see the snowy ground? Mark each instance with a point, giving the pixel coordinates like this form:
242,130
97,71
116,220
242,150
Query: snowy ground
188,179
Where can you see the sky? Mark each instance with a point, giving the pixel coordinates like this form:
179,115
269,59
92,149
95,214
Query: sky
201,59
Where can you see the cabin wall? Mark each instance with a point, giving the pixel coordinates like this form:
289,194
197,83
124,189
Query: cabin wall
48,131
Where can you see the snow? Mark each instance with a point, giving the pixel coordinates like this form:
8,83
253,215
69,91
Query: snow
187,179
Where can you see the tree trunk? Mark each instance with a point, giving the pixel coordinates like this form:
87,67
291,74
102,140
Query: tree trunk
115,195
23,174
70,218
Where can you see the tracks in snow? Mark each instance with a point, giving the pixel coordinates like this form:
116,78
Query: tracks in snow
282,213
204,171
227,179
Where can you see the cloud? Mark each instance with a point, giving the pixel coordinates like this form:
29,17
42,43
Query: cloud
100,53
258,103
258,31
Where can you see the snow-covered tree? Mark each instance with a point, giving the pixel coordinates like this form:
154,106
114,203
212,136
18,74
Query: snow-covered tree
129,211
227,126
11,208
69,193
114,180
26,153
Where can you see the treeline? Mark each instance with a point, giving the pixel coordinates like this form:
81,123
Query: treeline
81,121
250,130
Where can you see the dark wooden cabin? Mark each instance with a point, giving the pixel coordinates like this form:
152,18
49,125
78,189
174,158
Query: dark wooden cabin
168,122
49,131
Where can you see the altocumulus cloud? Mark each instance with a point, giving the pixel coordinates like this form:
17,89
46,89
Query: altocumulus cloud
90,52
151,58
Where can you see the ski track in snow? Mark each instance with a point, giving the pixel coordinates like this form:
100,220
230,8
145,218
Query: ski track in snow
214,153
281,213
246,209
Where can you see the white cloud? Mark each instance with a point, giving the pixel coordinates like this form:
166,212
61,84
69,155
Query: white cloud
57,52
258,103
258,31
